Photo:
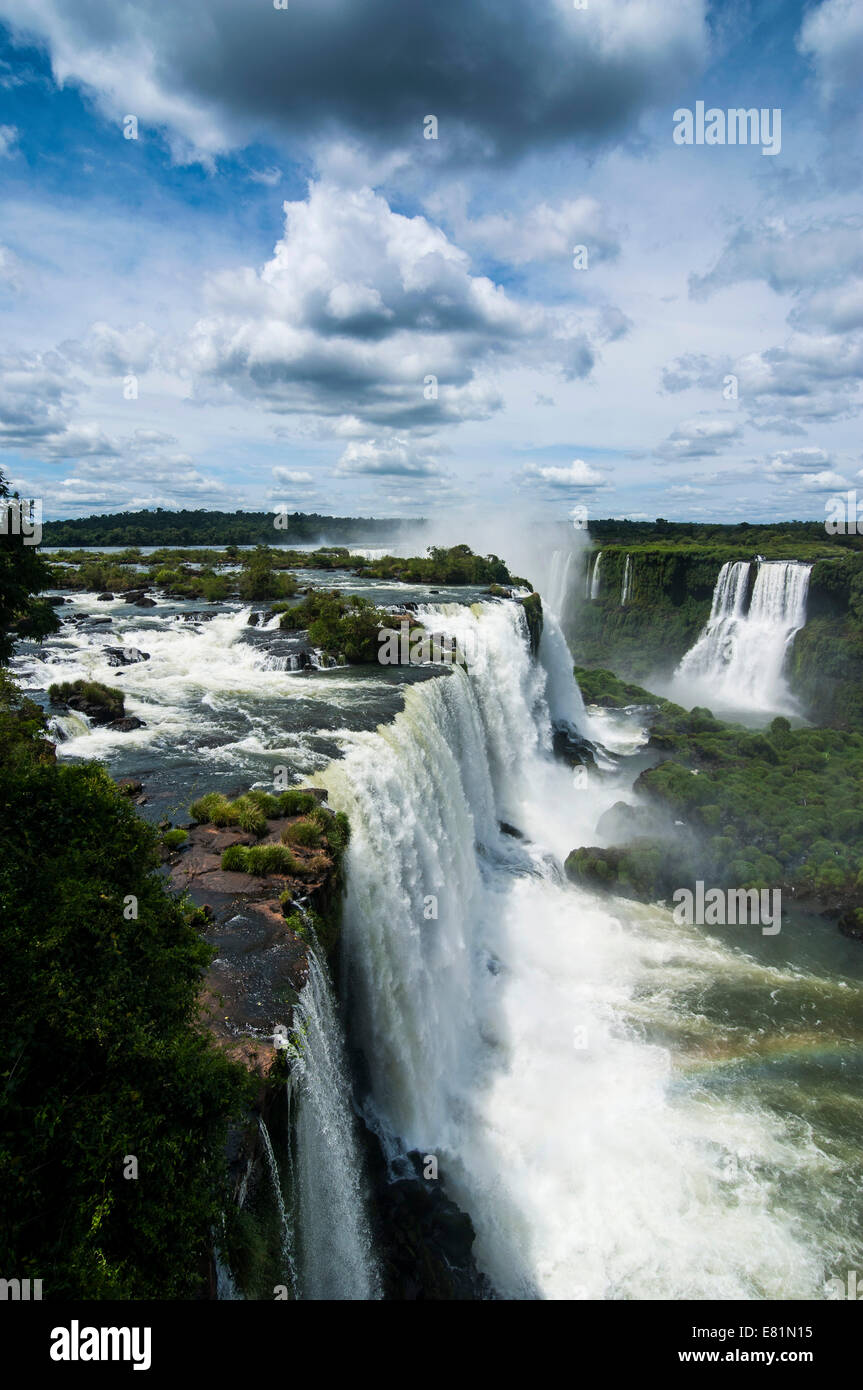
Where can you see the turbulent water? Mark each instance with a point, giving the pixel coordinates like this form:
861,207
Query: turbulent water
626,1108
587,1076
740,657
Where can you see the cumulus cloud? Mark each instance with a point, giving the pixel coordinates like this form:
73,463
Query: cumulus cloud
112,351
797,461
541,232
806,470
393,457
219,73
577,474
703,436
364,305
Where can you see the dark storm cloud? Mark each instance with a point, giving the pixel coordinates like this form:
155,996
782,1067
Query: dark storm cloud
500,76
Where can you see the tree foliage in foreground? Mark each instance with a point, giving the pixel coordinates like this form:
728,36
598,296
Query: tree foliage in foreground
101,1055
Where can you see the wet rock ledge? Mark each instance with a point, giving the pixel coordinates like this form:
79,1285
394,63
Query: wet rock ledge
261,917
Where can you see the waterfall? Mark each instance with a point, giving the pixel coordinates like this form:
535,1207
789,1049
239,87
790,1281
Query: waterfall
559,579
287,1235
594,580
739,658
336,1260
491,1001
627,581
63,727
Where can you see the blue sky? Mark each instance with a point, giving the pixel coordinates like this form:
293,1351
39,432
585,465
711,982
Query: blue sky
242,307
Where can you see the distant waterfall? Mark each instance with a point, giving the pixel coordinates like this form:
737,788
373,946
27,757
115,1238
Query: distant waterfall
561,570
594,576
627,581
469,963
739,659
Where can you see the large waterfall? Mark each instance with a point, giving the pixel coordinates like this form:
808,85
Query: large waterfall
740,657
499,1011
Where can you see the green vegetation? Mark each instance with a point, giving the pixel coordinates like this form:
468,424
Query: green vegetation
341,627
101,1053
782,540
532,606
174,839
219,810
455,565
188,528
92,697
774,809
601,687
261,859
302,832
259,579
827,656
23,574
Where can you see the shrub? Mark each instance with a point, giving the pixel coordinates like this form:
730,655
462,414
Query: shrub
236,859
302,832
268,804
271,859
172,839
296,803
249,816
214,807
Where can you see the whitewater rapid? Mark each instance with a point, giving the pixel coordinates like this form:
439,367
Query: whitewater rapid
500,1010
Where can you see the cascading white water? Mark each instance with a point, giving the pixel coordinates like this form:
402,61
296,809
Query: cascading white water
739,659
287,1234
627,581
494,1004
561,570
594,578
337,1261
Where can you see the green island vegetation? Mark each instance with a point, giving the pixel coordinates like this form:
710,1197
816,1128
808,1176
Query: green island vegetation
778,808
261,574
104,702
342,627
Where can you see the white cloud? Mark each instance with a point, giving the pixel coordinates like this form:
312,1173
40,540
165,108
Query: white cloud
361,302
393,457
832,36
703,436
575,474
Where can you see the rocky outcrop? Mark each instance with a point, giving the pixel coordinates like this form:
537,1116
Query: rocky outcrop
124,656
532,606
261,962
